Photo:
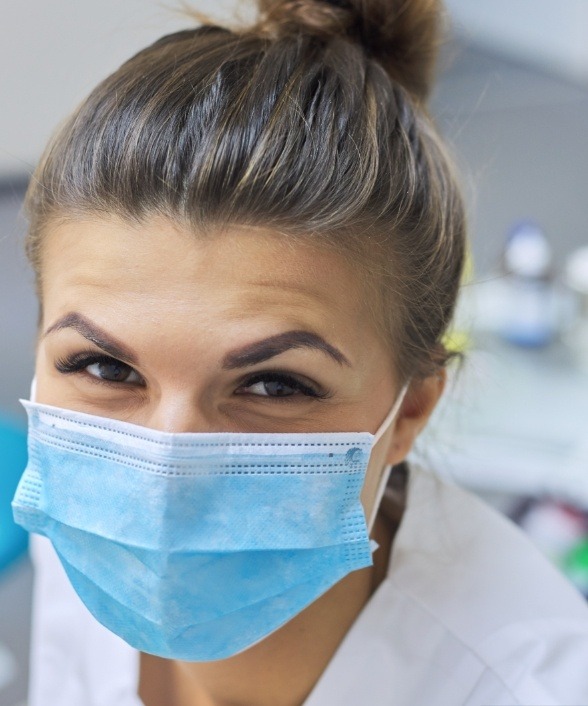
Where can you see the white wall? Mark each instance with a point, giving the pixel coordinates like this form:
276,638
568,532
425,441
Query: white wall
550,33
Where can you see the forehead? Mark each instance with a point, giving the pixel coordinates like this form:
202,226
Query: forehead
163,275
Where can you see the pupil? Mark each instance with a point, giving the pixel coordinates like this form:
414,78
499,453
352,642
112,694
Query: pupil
112,371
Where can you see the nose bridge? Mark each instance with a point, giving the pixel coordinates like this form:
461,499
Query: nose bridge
177,411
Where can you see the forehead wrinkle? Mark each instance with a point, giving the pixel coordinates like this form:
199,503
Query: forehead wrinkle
297,296
289,285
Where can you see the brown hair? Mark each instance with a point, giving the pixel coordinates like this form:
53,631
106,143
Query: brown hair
313,122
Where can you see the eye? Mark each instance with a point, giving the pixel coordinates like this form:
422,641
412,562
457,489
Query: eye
102,367
113,371
278,385
272,388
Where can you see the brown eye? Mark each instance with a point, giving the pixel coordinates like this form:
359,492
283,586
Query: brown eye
274,388
277,385
113,371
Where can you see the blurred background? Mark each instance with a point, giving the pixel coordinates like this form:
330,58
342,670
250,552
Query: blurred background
512,101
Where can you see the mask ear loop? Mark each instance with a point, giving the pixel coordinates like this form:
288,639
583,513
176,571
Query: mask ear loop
382,429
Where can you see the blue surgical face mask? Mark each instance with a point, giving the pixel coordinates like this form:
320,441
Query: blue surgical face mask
195,546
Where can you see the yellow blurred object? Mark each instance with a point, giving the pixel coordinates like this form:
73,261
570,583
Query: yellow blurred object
457,341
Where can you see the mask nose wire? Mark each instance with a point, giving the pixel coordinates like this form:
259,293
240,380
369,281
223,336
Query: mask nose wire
384,426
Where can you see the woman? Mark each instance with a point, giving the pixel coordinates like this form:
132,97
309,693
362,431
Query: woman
248,246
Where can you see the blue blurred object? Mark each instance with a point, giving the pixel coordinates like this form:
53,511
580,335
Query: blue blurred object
13,459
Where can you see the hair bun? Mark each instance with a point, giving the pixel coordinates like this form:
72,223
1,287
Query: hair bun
403,35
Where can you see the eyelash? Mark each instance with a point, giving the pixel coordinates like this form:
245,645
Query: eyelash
77,362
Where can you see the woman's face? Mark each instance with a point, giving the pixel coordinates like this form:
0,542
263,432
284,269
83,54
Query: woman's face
239,331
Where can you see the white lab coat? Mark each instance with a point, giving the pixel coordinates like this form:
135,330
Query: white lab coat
470,614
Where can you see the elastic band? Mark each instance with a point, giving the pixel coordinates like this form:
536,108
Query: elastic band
389,418
377,436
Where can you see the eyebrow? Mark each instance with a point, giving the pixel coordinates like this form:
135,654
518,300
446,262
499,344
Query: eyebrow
267,348
251,354
95,335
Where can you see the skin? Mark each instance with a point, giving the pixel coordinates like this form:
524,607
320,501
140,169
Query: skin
181,307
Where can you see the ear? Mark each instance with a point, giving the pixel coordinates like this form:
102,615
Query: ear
419,402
